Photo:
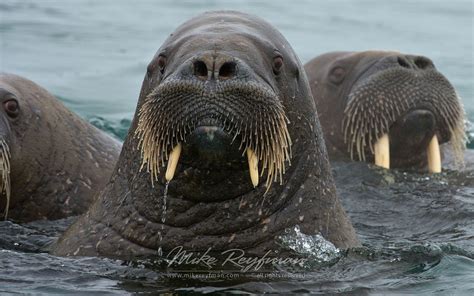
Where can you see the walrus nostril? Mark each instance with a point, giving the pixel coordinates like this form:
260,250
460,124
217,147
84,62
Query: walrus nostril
403,61
227,70
423,63
200,69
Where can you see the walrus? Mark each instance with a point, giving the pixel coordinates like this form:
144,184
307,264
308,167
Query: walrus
51,161
225,151
386,107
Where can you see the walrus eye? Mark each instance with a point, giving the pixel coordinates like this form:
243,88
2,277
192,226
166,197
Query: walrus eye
11,107
337,75
161,63
277,64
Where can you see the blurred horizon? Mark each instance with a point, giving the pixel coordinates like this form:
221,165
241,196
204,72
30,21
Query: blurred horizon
93,54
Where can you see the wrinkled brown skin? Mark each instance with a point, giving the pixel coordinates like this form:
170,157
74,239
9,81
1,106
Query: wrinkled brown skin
331,89
58,160
125,221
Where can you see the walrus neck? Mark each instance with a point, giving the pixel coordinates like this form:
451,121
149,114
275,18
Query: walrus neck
130,202
176,205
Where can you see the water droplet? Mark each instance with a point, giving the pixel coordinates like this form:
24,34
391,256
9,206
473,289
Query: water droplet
163,219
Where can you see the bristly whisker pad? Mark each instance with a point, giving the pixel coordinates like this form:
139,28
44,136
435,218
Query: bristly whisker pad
248,109
5,173
377,102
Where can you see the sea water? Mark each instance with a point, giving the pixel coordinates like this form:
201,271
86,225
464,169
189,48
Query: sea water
417,231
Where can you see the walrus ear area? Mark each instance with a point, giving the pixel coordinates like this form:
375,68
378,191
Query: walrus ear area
157,64
277,64
337,75
161,62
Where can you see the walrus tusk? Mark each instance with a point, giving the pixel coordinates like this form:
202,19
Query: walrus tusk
434,157
173,162
253,166
382,152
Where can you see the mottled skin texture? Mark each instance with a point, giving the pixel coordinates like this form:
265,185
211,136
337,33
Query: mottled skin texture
211,202
390,78
58,161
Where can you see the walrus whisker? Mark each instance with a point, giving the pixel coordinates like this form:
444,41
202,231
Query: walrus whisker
458,135
372,109
264,132
5,168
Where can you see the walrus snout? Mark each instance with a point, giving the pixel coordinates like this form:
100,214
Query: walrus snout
401,65
245,108
399,109
414,62
214,66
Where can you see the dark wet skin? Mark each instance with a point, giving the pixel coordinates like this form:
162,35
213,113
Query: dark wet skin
224,73
410,135
424,102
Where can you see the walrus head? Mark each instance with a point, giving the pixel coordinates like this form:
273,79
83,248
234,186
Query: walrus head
391,108
18,125
41,143
213,107
215,111
224,102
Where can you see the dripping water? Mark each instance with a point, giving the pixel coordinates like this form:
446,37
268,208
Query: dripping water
163,218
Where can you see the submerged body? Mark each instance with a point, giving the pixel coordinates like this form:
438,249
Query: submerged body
390,108
226,107
53,162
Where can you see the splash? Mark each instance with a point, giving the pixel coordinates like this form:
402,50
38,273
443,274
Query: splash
316,248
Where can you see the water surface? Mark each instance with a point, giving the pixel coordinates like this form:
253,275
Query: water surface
417,230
